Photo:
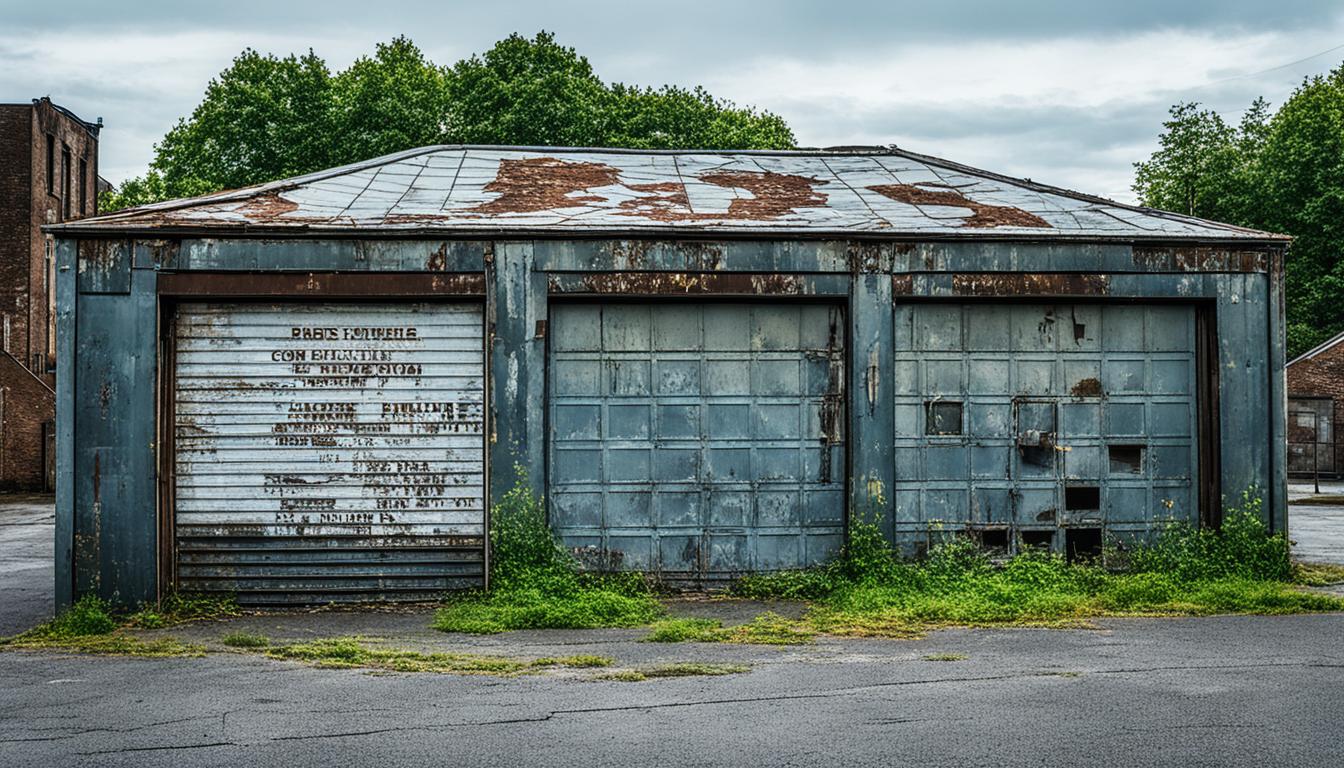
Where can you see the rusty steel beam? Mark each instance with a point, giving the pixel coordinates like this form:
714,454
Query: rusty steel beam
325,285
683,284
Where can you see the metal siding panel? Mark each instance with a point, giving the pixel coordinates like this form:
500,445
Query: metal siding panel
318,445
650,470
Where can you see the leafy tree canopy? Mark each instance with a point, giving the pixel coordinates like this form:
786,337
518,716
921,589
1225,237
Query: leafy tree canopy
1282,172
266,118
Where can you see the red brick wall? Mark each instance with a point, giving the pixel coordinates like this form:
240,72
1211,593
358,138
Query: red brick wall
16,219
28,404
25,206
1323,376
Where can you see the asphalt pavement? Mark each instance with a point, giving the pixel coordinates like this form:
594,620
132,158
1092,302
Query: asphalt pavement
1223,691
26,576
1228,691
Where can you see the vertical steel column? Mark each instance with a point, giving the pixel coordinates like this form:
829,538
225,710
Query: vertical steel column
871,412
516,319
65,421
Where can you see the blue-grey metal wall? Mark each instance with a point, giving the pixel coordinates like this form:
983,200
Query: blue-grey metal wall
111,306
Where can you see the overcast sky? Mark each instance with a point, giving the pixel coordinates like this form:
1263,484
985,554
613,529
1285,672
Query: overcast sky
1067,93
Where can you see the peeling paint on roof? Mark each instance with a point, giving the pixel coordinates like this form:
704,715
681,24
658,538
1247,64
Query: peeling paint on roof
457,189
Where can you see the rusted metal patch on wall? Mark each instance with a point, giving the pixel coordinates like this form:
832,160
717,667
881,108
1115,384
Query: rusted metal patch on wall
680,283
1200,259
1019,284
339,284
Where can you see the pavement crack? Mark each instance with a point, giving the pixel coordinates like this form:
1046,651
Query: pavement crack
161,748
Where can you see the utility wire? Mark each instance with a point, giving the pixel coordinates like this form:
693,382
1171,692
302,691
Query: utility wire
1266,71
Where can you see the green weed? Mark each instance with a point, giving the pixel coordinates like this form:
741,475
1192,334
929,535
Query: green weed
355,653
89,626
684,669
536,584
687,631
1318,574
868,591
245,640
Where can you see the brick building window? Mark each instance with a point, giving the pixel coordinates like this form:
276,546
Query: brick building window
83,187
65,182
51,164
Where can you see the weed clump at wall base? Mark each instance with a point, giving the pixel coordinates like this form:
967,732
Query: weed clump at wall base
536,584
88,626
1240,568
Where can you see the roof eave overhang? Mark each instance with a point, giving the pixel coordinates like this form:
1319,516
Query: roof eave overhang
78,229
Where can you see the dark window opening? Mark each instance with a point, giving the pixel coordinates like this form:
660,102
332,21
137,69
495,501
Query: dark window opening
1082,497
942,418
51,164
1037,539
994,539
83,187
1082,544
1126,459
1079,331
65,183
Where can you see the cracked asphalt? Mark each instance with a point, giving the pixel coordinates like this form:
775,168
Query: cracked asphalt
1222,691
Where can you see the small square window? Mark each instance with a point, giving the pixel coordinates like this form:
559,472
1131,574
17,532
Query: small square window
1082,497
942,417
1126,459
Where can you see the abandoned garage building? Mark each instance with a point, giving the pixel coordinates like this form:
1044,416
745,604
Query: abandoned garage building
312,390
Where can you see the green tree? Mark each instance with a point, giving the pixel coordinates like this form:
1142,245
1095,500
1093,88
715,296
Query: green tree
396,100
267,118
1282,173
1196,167
527,92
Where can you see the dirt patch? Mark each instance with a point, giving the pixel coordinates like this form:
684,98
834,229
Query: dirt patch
983,215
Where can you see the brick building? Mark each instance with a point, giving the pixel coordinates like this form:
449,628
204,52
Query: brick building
48,174
1315,400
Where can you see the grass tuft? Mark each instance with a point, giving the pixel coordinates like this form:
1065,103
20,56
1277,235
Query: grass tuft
683,669
868,591
245,640
1318,574
687,631
356,653
536,584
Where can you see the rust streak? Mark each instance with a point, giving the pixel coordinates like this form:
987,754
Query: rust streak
639,283
1018,284
983,215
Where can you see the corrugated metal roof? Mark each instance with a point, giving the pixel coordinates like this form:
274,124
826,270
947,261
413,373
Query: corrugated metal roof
562,191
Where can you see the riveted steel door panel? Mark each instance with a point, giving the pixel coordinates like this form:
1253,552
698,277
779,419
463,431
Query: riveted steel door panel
1032,417
697,440
330,452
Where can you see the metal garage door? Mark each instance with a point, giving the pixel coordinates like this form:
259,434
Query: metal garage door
329,452
1037,418
697,440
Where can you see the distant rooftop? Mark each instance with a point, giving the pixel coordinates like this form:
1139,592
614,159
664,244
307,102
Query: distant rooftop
574,192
